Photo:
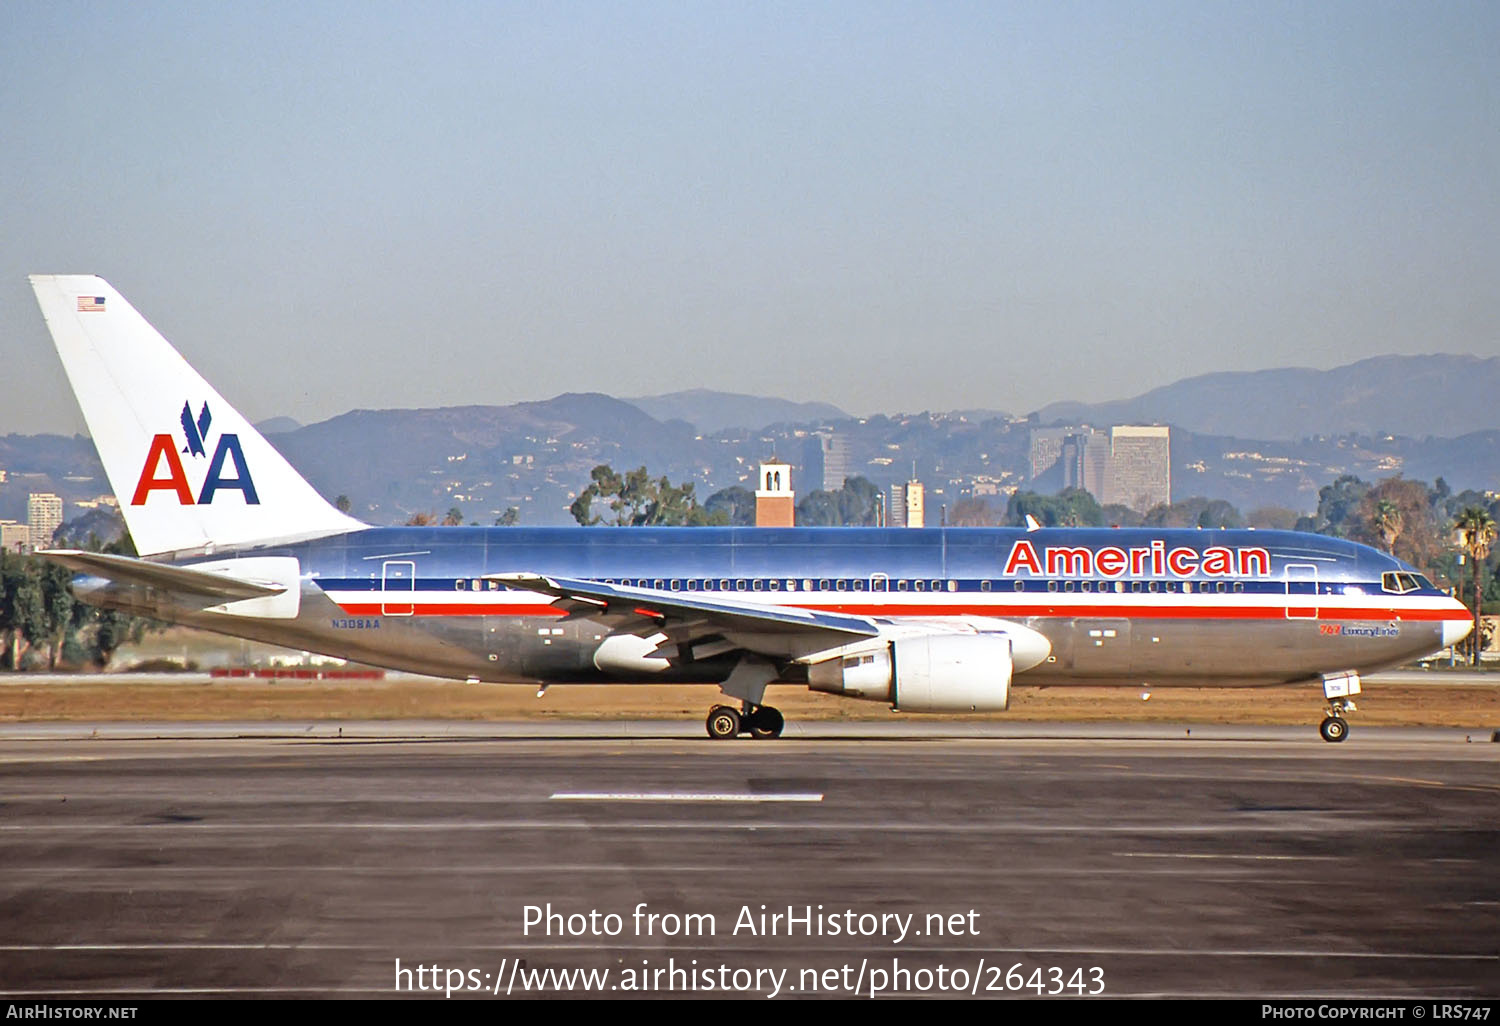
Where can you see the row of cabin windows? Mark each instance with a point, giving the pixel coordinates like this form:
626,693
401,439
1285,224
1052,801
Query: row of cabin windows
863,584
1176,587
1397,583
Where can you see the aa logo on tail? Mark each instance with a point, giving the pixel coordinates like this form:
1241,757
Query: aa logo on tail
164,471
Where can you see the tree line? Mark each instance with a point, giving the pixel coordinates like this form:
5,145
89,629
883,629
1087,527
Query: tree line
42,623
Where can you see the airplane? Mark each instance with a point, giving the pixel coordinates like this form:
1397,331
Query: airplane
232,539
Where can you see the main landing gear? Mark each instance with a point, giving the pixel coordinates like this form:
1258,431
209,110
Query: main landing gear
1339,689
759,721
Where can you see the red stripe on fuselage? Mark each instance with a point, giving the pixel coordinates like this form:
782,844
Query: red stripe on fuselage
1131,612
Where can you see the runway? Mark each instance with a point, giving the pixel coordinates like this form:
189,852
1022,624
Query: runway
1136,860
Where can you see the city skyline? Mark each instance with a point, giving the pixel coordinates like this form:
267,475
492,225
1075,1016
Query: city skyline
885,207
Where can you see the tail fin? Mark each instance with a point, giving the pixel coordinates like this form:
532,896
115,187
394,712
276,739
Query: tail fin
190,472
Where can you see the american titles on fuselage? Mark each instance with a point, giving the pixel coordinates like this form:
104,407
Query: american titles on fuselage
1153,560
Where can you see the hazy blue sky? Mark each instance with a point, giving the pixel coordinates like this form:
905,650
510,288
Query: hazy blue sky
886,206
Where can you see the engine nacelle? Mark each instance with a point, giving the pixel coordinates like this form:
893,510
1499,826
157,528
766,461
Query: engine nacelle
927,673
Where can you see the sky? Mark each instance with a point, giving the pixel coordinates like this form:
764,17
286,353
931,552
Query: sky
886,206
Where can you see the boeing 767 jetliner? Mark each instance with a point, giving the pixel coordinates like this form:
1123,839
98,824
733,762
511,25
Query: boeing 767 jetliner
233,540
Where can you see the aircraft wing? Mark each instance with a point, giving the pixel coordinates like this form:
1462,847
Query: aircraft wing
697,617
186,580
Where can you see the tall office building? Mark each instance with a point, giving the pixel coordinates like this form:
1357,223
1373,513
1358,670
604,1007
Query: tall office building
906,505
43,517
14,537
826,460
1140,467
1047,448
1086,462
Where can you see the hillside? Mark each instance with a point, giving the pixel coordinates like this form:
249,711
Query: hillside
1441,396
711,412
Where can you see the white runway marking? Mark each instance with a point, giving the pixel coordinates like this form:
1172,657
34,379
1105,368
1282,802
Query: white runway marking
679,796
1195,855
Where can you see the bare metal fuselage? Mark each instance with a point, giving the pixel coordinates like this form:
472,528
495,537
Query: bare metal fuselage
425,599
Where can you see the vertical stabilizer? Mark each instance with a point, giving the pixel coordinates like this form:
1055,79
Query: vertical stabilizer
190,472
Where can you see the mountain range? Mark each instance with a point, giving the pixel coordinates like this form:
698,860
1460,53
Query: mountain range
1256,439
711,411
1440,396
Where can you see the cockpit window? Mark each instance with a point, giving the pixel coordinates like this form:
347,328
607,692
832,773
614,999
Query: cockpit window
1400,583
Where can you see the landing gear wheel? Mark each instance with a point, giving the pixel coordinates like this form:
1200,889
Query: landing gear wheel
766,722
723,723
1333,729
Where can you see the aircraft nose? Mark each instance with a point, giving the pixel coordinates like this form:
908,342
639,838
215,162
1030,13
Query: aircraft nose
1455,631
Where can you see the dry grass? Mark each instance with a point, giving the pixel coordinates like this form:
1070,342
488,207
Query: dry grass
1419,705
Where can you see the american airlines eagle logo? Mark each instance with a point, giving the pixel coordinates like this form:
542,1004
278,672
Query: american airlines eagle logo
164,470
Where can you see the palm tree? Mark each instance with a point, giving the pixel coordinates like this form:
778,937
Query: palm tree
1477,530
1387,522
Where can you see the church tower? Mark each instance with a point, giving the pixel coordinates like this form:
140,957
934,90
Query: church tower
775,503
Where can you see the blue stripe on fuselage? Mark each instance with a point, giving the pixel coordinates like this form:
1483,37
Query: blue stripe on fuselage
969,554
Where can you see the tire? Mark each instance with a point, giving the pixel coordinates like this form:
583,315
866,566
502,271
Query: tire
1333,729
766,722
723,723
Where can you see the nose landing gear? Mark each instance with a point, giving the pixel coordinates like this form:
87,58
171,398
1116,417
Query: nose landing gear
1339,689
1333,728
760,721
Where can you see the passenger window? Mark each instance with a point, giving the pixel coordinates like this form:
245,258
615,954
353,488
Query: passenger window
901,586
920,585
758,584
984,585
1019,586
1239,586
1051,585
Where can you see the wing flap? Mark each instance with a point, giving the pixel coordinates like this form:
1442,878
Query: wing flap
695,616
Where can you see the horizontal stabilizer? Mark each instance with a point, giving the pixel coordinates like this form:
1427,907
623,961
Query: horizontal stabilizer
180,579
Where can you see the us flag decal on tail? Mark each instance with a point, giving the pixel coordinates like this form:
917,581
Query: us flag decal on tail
90,304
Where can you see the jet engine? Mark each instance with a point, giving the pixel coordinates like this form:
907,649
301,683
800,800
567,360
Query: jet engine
925,673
